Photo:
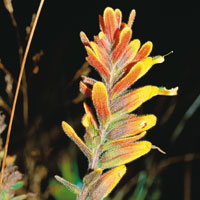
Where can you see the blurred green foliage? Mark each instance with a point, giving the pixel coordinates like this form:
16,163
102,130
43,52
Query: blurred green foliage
69,171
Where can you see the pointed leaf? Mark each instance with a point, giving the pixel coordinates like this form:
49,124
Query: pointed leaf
131,125
86,120
91,137
84,89
100,100
84,39
107,182
101,23
93,60
88,110
157,59
110,23
92,177
171,92
118,142
88,80
76,190
124,154
118,16
132,100
131,18
124,39
71,134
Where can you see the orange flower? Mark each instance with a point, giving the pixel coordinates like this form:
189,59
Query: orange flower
111,140
120,62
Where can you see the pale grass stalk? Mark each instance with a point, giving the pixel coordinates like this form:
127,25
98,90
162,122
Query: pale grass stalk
17,90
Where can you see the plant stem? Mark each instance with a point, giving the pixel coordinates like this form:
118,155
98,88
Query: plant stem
83,194
24,82
17,91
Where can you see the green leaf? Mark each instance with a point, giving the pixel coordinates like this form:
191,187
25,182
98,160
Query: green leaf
59,191
70,186
4,195
21,197
17,185
140,191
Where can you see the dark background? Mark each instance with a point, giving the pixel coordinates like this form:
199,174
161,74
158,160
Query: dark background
170,26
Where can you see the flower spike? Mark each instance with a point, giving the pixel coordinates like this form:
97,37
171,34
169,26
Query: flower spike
112,134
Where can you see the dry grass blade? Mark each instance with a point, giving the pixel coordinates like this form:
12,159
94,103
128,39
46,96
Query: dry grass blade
17,90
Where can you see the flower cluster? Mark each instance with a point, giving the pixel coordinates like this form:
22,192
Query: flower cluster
112,134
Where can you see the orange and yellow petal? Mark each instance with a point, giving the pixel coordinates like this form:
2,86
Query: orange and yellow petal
132,100
118,142
100,53
131,125
124,38
96,63
127,80
89,134
84,89
118,16
100,101
131,18
103,42
110,23
101,23
88,111
124,154
129,53
107,182
144,51
134,72
88,80
84,39
73,136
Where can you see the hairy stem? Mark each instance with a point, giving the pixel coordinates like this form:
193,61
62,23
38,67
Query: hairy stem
83,194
